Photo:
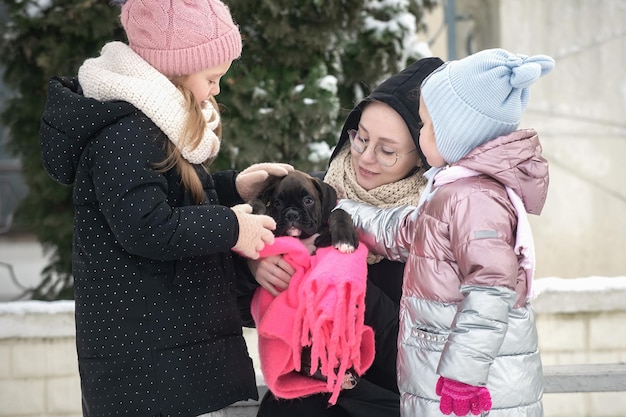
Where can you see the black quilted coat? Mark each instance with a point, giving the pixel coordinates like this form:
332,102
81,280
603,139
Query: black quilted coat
158,330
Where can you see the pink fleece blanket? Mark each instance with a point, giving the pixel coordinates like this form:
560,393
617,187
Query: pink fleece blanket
323,307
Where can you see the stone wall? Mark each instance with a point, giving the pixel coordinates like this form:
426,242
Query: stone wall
579,321
582,321
38,365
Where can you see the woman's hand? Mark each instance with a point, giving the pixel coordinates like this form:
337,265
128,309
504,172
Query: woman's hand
272,273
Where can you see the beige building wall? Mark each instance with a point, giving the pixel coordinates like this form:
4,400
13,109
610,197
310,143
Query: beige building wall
579,111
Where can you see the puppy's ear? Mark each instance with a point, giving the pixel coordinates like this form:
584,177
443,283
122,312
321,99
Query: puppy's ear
268,191
258,206
328,198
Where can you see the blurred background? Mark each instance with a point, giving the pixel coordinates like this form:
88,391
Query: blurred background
286,98
578,111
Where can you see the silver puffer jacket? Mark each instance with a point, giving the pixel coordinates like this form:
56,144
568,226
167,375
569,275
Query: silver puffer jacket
464,313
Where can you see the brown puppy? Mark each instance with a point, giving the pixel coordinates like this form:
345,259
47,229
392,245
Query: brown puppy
302,205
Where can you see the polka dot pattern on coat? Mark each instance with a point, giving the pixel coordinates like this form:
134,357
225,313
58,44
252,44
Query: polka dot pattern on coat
158,330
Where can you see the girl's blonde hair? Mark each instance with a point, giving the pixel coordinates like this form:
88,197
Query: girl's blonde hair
193,132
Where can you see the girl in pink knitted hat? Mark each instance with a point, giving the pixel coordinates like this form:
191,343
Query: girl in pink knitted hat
158,331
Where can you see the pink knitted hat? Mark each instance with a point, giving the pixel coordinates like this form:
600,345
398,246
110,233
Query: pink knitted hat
180,37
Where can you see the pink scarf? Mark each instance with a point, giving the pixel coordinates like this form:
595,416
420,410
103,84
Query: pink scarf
323,307
524,243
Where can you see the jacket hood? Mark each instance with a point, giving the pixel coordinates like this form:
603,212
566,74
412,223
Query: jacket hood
401,91
514,160
70,120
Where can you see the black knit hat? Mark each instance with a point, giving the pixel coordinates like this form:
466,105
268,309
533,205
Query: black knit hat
401,91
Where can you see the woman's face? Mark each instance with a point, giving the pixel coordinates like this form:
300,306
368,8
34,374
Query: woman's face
383,128
206,83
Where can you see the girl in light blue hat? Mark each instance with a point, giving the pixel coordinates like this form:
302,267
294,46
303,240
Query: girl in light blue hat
467,341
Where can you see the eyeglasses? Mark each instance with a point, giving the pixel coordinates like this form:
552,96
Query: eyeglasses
385,156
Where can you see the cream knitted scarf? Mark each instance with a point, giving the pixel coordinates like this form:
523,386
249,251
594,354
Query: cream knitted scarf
120,74
342,177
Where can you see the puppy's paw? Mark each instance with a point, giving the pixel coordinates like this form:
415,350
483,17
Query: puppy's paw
342,231
344,247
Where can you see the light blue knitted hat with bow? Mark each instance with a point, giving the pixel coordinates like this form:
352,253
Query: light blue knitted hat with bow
478,98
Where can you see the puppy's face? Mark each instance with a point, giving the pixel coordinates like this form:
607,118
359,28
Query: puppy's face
300,204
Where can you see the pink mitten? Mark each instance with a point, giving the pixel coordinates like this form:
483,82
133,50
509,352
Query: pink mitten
462,398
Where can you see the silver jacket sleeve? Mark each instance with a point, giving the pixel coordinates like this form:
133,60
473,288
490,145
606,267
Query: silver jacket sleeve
383,231
477,333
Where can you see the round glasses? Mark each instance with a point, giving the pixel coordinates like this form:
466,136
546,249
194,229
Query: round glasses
385,156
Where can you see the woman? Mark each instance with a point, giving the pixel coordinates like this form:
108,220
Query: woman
377,161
